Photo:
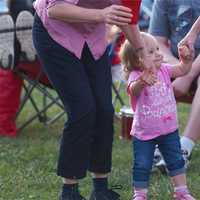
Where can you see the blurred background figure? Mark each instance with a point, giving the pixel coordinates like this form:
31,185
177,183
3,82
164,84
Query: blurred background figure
3,6
170,22
145,14
115,38
15,6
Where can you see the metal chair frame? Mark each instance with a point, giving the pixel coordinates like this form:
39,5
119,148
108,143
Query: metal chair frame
49,100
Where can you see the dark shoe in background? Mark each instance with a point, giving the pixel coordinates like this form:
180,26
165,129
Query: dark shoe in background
74,195
104,195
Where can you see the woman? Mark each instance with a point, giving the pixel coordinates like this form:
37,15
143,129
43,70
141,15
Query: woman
69,36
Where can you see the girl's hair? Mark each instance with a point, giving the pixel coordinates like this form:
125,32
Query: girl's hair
129,57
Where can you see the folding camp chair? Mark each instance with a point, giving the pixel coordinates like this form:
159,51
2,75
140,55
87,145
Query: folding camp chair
37,84
38,91
116,85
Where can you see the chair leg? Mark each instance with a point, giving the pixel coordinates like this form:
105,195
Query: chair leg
48,100
117,94
28,96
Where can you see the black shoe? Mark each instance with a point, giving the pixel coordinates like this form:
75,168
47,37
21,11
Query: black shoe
74,195
104,195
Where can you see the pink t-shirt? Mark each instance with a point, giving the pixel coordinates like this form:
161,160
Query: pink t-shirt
155,107
72,36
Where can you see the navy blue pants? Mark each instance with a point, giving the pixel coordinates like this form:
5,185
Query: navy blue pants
84,86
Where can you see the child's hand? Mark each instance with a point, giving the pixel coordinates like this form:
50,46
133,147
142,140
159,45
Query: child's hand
186,55
148,77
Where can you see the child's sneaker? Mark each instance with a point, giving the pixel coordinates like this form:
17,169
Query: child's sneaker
183,195
158,162
140,196
186,157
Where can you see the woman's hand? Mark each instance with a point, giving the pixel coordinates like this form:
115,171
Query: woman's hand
186,55
187,41
117,15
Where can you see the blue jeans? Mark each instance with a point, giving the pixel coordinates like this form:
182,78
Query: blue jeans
170,147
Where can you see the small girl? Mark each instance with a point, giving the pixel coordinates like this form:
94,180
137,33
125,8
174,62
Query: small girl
155,120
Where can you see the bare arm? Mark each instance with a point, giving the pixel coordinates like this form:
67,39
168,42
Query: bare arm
132,33
186,58
195,70
164,47
72,13
136,87
182,85
180,69
115,14
196,28
191,36
146,78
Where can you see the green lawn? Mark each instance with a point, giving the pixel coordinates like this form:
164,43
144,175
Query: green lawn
28,164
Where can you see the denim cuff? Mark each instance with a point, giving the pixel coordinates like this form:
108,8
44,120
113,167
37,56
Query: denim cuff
177,172
140,184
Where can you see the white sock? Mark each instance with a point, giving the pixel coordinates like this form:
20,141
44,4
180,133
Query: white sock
187,143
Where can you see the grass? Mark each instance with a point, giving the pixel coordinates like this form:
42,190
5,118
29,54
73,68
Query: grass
28,164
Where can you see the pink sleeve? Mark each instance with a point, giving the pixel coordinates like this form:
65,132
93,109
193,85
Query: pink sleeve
132,77
168,68
53,2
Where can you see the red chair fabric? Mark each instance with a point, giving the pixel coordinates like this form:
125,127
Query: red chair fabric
10,90
32,70
116,59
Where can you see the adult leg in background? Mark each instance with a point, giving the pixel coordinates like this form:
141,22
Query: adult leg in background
191,133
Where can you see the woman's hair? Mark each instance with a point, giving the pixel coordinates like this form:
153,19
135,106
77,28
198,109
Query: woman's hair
130,58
